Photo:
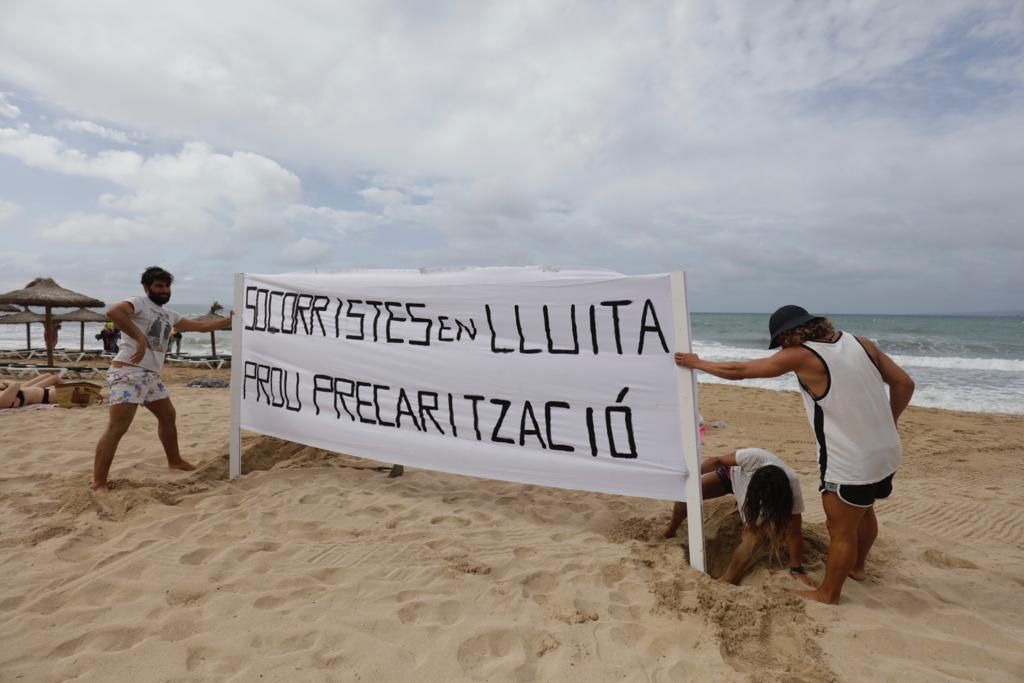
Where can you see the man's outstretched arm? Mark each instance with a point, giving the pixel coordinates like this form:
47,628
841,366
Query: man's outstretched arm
786,360
186,325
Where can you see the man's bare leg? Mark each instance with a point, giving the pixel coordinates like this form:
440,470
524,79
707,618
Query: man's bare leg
843,523
866,535
167,430
121,416
711,487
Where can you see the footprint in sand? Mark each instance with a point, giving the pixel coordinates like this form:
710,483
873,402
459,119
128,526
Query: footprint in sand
538,586
197,557
267,602
937,558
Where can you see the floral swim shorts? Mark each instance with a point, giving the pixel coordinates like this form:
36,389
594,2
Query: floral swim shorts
135,385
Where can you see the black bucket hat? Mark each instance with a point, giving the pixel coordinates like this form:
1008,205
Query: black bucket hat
786,319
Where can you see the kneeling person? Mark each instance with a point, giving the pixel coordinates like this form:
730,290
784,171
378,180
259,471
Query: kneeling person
770,504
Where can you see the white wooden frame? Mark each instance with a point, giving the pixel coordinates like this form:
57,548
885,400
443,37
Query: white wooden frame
689,428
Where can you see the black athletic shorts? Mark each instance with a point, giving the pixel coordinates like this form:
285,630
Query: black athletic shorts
860,495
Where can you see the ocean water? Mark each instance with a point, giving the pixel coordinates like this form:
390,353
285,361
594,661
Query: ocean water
970,363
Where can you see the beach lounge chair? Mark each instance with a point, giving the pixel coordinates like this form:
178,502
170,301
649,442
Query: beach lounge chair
83,372
19,354
29,370
209,362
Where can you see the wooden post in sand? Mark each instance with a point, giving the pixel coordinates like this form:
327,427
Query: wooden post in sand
686,381
235,438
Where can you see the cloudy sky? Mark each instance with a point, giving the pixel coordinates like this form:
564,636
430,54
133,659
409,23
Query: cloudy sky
849,156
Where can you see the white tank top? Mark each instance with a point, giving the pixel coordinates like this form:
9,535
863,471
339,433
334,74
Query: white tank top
853,426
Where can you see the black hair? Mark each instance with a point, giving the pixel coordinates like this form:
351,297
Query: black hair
768,506
154,273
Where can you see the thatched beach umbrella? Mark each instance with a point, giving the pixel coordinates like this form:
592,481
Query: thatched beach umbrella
212,315
7,308
43,291
83,316
27,317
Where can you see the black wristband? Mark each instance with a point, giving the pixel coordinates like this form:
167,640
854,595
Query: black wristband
797,570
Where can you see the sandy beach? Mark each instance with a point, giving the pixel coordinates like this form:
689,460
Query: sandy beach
318,567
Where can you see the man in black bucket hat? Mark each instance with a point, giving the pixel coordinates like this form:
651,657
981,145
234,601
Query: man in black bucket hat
786,319
842,381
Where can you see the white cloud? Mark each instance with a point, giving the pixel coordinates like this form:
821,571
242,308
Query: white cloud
194,193
337,221
8,210
100,228
638,136
99,131
305,252
8,110
385,197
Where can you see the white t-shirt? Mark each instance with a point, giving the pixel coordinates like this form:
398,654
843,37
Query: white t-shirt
155,322
748,461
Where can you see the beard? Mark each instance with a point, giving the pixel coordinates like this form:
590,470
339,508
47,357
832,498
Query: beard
159,299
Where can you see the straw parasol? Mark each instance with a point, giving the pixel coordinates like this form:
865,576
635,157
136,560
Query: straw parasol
43,291
83,316
7,308
212,315
28,317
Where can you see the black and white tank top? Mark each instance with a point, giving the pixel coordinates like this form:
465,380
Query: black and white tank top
853,426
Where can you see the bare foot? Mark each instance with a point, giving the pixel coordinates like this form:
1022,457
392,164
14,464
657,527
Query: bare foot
670,533
806,580
858,575
817,596
99,488
181,465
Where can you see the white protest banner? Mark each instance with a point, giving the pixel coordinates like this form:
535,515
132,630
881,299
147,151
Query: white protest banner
553,377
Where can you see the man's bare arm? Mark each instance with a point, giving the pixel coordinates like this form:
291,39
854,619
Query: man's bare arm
121,313
795,543
186,325
786,360
901,386
712,463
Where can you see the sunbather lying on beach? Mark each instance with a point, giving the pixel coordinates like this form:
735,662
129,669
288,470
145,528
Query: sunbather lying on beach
770,503
30,392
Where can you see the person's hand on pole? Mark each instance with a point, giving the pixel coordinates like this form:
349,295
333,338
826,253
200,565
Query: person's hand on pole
687,360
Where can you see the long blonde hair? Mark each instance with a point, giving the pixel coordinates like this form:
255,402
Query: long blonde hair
768,507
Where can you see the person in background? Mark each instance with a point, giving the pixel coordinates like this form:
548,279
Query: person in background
843,381
51,332
770,504
134,374
109,335
176,340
